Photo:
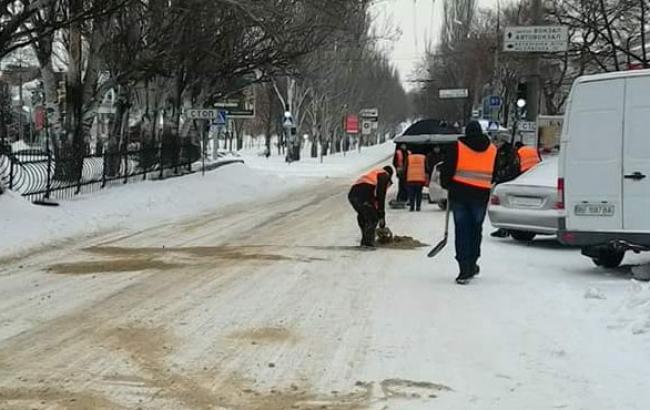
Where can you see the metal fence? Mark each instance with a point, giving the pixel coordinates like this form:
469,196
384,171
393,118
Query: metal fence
40,174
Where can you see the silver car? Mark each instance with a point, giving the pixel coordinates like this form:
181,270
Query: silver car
527,205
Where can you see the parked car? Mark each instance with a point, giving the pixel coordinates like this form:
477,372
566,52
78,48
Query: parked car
528,205
436,193
604,173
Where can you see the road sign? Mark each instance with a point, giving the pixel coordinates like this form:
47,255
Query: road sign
221,119
527,126
493,126
240,104
352,124
454,93
495,101
202,114
550,121
536,39
367,127
369,113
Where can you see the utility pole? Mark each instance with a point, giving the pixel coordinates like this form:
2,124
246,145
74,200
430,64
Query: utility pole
534,80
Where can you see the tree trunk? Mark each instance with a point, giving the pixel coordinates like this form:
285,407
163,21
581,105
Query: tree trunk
238,127
643,30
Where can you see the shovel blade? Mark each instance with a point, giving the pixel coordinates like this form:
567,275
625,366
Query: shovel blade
438,248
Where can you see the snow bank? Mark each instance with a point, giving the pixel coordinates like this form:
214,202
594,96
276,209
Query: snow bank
633,315
25,225
333,166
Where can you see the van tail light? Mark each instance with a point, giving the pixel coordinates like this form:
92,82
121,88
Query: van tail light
568,238
494,200
560,194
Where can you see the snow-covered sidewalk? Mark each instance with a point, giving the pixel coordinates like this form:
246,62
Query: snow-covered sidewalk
24,226
332,166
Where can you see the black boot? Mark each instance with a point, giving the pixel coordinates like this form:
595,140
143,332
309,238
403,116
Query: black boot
466,273
500,233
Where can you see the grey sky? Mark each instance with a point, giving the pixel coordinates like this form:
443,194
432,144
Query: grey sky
419,22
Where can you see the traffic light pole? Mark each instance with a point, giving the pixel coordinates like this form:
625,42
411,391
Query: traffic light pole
534,80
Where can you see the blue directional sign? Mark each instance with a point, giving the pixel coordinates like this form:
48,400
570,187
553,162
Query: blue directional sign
495,101
493,126
221,119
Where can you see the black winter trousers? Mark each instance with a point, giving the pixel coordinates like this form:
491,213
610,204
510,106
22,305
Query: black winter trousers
468,219
402,193
415,196
367,215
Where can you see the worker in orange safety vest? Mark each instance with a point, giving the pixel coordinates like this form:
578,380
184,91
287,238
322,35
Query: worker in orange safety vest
399,162
368,198
416,179
528,157
467,174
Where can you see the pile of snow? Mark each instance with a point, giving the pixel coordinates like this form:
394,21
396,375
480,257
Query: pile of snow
333,166
25,225
19,145
633,313
147,203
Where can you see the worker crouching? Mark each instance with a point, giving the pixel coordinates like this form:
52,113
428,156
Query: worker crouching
368,198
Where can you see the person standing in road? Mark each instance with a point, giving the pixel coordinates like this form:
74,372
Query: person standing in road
433,158
467,174
506,169
368,198
528,157
399,162
416,178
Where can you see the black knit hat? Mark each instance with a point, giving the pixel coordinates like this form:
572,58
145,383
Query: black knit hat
389,169
473,129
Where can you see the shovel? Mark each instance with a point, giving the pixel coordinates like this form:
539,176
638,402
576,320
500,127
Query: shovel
441,245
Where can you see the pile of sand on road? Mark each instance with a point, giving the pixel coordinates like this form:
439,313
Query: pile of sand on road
400,242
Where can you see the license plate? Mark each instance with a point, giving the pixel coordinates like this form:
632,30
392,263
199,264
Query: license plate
594,210
526,201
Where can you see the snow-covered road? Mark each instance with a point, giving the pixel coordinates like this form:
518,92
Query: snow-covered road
272,307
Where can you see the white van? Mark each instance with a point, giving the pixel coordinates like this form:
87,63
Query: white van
604,171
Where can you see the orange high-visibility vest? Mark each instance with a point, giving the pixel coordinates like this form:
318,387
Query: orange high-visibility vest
400,158
528,158
415,171
370,177
475,168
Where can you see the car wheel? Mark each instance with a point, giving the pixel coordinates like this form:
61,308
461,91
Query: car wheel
609,258
522,236
442,204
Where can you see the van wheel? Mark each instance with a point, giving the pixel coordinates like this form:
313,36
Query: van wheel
522,236
442,204
609,258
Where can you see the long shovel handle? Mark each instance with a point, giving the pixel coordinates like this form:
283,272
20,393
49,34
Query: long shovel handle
441,245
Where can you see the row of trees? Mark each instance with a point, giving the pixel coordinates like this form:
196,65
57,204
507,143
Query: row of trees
605,35
162,56
343,76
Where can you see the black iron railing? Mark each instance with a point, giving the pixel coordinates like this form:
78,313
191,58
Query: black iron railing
40,174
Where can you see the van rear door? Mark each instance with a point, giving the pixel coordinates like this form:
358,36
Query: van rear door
592,168
636,157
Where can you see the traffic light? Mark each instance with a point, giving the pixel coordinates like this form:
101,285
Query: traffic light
522,95
61,92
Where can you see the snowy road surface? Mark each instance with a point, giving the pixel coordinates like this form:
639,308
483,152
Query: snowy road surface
270,306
